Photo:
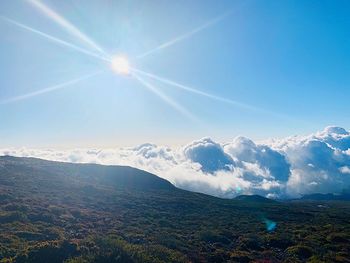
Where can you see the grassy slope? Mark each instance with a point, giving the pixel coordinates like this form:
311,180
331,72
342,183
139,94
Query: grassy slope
92,213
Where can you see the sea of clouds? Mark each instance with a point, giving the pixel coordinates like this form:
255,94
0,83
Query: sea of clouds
282,168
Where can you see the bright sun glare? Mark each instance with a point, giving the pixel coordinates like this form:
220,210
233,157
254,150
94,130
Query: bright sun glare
120,65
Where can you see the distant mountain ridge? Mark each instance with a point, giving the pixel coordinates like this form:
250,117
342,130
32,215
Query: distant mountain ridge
103,175
254,198
119,176
327,197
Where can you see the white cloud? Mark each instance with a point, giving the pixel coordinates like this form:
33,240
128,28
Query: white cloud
209,154
273,162
317,161
292,166
345,169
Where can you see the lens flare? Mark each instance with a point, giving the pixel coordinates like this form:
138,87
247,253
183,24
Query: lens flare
120,65
54,39
165,98
50,89
270,225
186,35
65,24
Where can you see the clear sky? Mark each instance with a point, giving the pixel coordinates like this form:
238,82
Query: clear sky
276,68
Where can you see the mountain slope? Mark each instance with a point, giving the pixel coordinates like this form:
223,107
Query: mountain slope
68,173
326,197
254,198
55,212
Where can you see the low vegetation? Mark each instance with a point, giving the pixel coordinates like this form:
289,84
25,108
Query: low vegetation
55,212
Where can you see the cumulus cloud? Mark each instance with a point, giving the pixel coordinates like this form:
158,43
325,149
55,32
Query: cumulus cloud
288,167
319,161
209,154
273,162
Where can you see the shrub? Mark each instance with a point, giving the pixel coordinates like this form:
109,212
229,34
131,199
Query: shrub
53,252
338,238
300,251
240,256
12,216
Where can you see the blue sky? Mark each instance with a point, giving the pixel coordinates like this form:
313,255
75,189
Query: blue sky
288,60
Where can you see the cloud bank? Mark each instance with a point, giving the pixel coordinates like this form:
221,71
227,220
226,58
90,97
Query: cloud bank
288,167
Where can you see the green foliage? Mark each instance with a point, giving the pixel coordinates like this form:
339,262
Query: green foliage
240,256
300,251
54,252
338,238
51,212
8,217
210,236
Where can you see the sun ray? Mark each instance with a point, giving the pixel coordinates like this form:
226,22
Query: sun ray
196,91
165,98
66,25
186,35
50,89
54,39
214,97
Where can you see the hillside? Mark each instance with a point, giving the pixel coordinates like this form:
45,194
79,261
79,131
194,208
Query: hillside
327,197
55,212
254,198
87,174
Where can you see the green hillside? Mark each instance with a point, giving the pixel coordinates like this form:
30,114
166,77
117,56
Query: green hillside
55,212
254,198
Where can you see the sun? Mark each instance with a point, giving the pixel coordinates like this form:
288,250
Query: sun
120,65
